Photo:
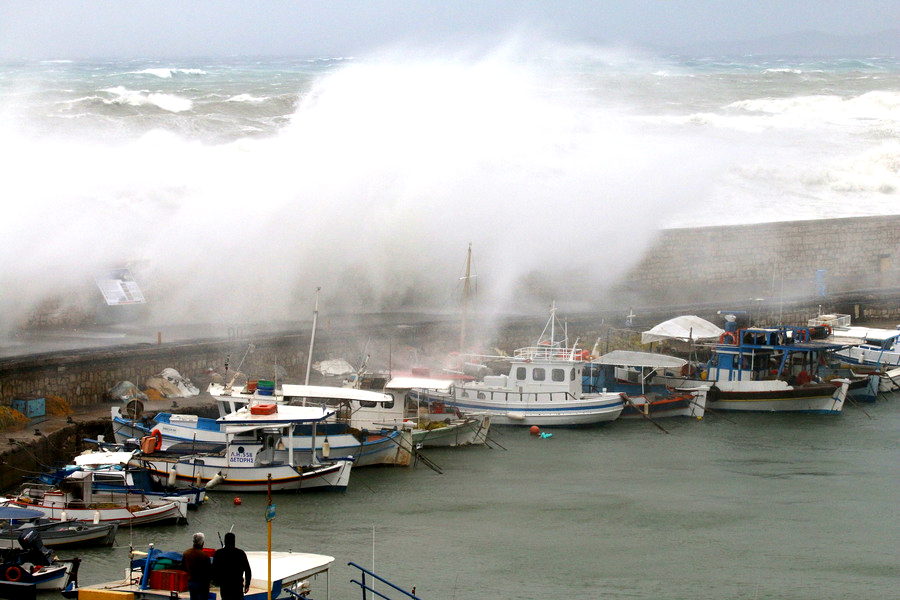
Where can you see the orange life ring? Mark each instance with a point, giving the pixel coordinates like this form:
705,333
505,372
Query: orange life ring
158,435
729,336
13,574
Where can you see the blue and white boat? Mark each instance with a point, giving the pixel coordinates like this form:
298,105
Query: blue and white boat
335,438
768,370
113,473
631,373
259,451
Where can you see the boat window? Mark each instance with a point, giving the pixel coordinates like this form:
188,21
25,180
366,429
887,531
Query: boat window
520,373
558,374
539,374
367,404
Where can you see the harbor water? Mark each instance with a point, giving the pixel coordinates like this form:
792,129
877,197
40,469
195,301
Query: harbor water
731,506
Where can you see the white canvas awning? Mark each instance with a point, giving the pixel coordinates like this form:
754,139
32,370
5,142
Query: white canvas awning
684,328
628,358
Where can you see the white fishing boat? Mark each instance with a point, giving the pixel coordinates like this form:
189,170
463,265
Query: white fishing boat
191,434
77,498
426,416
258,445
156,575
543,387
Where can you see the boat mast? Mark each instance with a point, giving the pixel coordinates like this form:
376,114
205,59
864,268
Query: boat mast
312,338
465,300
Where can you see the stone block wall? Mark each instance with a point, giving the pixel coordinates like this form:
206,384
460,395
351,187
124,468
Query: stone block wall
768,260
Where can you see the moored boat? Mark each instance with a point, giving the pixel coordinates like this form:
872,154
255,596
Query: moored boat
156,575
75,498
631,373
543,387
54,534
767,370
258,446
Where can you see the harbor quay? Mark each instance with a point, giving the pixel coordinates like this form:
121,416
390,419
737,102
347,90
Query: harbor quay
84,378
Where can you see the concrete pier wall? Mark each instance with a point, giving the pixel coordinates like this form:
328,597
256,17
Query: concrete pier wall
768,260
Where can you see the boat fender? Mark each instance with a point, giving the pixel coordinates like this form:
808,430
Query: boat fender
13,574
215,480
545,435
173,477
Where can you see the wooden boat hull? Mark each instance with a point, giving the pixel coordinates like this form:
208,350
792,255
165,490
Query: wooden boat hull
67,534
209,470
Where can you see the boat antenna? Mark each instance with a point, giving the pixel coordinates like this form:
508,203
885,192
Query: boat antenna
250,348
465,300
312,338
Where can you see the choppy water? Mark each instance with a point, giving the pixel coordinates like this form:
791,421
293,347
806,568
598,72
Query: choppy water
737,506
370,175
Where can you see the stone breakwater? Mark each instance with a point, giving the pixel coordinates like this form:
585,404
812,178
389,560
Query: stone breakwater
767,259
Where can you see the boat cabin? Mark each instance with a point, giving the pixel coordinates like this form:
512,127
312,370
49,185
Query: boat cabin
792,354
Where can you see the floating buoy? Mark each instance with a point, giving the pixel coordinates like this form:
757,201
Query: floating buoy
237,501
535,430
546,435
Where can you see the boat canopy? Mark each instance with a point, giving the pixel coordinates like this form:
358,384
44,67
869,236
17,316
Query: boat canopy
628,358
11,513
684,328
420,383
324,392
244,419
287,567
94,459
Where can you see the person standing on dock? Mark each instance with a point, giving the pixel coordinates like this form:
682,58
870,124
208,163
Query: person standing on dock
231,570
196,563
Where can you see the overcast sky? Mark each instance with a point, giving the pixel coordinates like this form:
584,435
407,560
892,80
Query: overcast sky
180,28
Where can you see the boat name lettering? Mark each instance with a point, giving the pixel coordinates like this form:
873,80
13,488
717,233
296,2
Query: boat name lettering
240,457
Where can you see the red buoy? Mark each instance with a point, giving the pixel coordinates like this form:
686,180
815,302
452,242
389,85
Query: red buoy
535,430
237,501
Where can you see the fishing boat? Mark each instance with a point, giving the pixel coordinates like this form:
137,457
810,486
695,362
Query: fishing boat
33,567
417,406
631,373
15,521
259,444
156,575
543,387
191,434
768,370
114,472
76,498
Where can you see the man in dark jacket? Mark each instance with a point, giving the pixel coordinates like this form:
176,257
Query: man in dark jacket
196,563
231,570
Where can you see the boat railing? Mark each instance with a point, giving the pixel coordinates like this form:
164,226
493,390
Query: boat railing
549,353
366,584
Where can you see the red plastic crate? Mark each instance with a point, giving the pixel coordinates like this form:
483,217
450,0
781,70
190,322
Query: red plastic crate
262,409
169,579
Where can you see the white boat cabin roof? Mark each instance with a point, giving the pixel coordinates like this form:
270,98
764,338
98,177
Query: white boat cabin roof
283,415
421,383
287,567
103,458
324,392
628,358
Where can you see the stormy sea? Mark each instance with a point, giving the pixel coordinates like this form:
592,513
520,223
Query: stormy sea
371,175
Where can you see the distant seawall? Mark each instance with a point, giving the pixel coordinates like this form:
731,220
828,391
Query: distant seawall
787,259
